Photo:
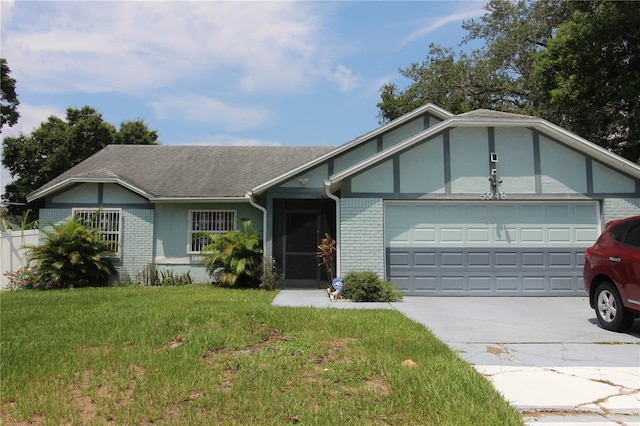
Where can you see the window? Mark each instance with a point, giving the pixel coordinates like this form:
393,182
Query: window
107,220
209,221
618,231
633,235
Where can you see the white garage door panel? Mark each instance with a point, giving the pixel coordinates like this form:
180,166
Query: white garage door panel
415,225
488,249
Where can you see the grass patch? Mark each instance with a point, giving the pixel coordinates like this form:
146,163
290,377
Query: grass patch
205,355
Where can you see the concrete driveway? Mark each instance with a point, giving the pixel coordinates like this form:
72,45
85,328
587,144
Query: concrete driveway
546,355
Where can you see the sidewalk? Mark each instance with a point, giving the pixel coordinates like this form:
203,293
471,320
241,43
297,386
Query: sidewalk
545,355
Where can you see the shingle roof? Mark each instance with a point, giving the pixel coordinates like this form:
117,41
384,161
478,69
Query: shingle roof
489,113
191,171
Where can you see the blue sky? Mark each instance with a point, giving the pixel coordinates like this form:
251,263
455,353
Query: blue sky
221,73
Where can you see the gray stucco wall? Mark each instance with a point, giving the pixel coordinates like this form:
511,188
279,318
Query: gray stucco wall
362,235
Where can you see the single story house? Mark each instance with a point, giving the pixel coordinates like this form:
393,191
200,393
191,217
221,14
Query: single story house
474,204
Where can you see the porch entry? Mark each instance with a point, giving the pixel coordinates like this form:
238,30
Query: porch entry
299,226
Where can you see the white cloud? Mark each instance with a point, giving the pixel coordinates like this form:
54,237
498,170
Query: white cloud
133,46
31,116
345,78
207,110
6,7
437,23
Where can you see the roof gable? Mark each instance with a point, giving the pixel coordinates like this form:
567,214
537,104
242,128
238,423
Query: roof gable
431,109
487,118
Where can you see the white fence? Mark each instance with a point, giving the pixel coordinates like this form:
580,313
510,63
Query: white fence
11,252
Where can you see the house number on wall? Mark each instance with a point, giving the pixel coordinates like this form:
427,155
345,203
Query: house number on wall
493,196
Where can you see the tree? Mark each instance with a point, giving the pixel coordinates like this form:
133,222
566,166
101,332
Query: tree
496,76
9,100
57,145
589,76
573,63
135,132
458,84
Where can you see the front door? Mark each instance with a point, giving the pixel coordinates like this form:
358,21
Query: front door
302,229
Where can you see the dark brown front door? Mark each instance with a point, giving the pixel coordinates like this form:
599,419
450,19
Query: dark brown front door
302,230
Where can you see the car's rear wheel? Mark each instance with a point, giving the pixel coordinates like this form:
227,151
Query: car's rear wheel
609,310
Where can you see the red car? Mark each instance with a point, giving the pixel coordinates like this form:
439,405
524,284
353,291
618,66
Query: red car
612,274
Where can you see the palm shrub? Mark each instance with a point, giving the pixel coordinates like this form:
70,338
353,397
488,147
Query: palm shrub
235,257
72,255
366,286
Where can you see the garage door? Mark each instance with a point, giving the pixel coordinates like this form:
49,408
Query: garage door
510,249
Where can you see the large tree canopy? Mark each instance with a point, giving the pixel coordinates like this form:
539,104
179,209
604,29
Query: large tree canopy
589,75
9,99
57,145
573,63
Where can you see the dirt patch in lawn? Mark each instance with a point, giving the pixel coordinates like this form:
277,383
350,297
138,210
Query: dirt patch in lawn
177,342
378,385
6,411
270,336
87,397
93,404
318,372
337,349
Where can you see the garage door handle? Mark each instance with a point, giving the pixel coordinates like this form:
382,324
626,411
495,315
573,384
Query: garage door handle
614,259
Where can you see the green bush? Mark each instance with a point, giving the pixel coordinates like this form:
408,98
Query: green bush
72,255
234,258
366,286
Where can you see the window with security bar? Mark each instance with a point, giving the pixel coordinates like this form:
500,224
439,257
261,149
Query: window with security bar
210,222
108,221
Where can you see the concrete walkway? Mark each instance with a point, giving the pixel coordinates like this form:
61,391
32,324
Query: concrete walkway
546,355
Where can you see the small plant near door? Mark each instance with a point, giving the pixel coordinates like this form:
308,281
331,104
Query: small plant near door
270,277
327,252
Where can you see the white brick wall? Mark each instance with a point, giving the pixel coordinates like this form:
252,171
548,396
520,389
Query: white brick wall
137,240
619,208
362,235
137,236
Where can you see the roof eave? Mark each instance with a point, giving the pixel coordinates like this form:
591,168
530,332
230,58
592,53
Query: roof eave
234,199
437,111
337,178
72,180
596,151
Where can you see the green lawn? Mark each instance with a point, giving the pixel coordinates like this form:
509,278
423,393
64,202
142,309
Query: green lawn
204,355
